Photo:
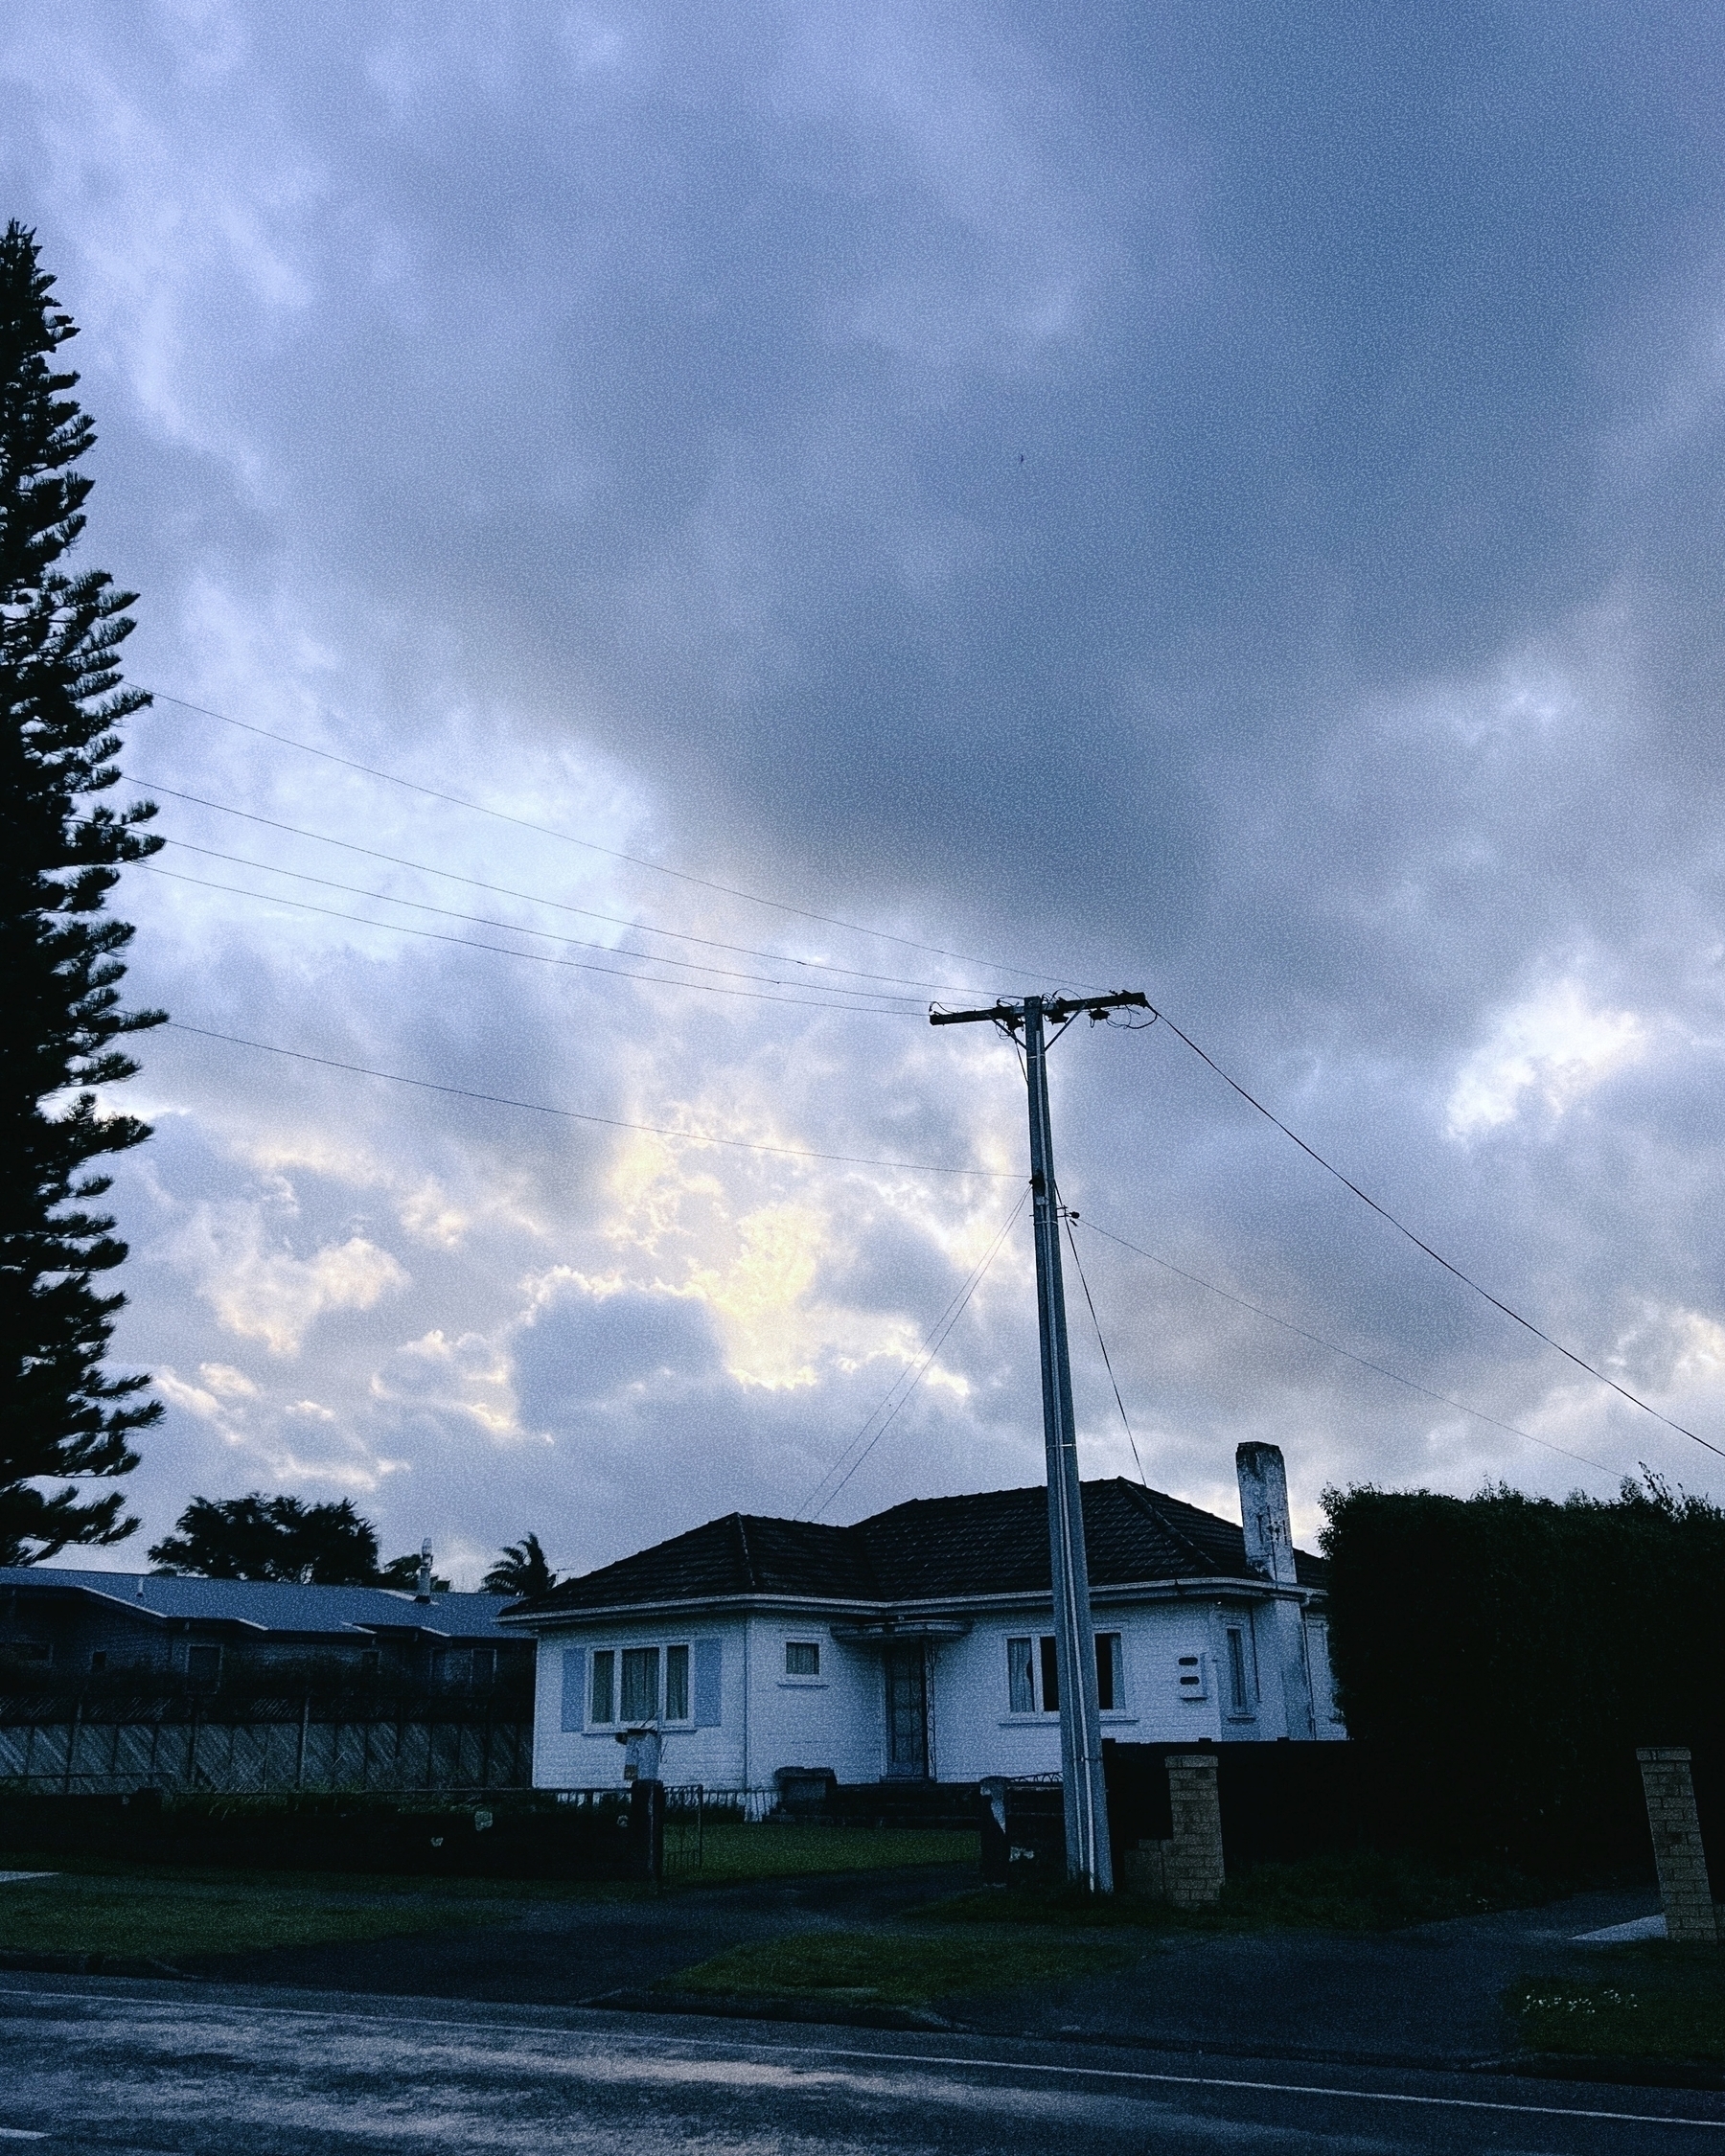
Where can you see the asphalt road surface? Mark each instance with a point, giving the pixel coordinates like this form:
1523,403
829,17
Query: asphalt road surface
95,2064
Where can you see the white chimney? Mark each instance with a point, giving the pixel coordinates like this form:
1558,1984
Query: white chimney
1264,1511
422,1592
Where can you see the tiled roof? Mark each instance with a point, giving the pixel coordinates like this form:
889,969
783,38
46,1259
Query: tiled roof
930,1549
271,1605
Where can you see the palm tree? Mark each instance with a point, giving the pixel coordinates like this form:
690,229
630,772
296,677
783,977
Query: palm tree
521,1570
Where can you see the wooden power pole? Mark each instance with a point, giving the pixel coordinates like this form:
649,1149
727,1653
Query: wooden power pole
1089,1858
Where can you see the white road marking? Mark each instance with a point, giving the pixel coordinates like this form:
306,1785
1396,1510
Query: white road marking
19,2133
476,2031
12,1878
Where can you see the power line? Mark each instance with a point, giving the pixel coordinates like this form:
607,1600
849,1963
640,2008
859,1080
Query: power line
1107,1359
505,890
1419,1244
531,957
912,1376
1318,1341
550,936
569,838
582,1116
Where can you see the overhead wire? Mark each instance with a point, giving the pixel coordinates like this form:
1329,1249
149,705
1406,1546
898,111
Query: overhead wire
912,1376
1466,1279
589,845
1334,1347
550,936
1107,1359
505,890
582,1115
532,958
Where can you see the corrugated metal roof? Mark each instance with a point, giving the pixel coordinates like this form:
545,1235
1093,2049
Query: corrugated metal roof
930,1549
272,1605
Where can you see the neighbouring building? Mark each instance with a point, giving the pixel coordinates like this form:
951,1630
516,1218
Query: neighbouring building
158,1628
918,1644
111,1682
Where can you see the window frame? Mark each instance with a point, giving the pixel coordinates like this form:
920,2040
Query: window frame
802,1676
685,1720
636,1655
608,1719
1021,1677
1242,1689
661,1718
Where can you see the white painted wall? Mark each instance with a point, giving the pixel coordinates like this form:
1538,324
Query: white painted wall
770,1719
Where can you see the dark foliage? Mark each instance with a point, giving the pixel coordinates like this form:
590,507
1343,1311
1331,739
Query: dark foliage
62,1417
521,1570
405,1571
281,1538
1503,1657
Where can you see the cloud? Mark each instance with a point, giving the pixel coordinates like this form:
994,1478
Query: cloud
1168,505
269,1294
1554,1044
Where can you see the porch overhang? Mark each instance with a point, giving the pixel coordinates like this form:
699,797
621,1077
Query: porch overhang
891,1632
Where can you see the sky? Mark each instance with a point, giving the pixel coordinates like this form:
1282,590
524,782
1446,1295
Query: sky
894,504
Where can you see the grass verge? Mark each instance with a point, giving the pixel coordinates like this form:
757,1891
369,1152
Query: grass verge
1651,2002
733,1853
1350,1894
169,1917
897,1968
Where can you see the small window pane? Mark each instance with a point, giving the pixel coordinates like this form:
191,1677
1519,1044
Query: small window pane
604,1665
677,1684
1109,1691
1051,1676
802,1658
203,1663
1021,1677
1239,1694
640,1684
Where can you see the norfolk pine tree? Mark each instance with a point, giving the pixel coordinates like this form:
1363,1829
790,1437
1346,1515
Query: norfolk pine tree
63,1418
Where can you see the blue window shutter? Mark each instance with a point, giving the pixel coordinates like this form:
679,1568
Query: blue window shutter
574,1688
709,1666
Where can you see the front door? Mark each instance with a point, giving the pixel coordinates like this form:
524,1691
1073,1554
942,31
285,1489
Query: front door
907,1713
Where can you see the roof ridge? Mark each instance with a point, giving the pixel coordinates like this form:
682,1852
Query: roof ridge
749,1570
1142,1492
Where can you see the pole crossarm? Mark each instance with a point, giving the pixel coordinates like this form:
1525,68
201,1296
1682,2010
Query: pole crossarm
1011,1015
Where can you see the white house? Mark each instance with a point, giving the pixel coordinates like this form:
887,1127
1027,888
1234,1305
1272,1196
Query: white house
918,1644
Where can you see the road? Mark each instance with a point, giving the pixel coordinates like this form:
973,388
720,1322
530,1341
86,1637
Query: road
122,2067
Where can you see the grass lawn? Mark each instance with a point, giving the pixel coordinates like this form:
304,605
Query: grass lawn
165,1915
1353,1893
733,1852
1651,2002
899,1968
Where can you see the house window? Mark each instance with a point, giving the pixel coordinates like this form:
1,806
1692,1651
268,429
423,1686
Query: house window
677,1684
1111,1688
1021,1677
28,1650
203,1662
98,1660
1239,1675
603,1706
802,1658
1051,1676
640,1684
